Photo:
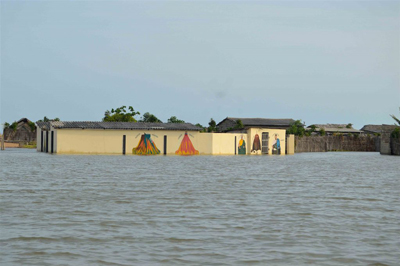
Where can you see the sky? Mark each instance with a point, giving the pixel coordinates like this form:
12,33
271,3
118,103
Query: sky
318,61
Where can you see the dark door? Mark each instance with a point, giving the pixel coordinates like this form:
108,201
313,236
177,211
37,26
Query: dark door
124,144
47,141
52,142
165,144
264,145
41,141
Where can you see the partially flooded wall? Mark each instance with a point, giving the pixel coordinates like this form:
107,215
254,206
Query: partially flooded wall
335,143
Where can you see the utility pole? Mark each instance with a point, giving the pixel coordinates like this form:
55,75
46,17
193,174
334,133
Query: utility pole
2,139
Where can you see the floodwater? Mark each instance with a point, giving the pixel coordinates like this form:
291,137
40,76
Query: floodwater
312,208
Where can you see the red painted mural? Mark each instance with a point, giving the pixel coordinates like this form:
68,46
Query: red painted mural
186,147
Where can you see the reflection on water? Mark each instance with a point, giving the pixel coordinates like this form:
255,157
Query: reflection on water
315,208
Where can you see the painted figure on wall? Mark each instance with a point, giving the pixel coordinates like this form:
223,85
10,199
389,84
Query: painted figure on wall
146,146
186,147
242,146
256,143
276,147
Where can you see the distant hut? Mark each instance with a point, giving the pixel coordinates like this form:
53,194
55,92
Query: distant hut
24,132
331,129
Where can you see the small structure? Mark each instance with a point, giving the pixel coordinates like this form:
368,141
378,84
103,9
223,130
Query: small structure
332,129
155,138
377,129
389,145
24,132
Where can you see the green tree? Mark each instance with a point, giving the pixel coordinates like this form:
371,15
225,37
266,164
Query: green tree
239,124
322,132
212,125
45,119
396,119
150,118
14,126
120,115
32,126
201,126
349,125
173,119
296,128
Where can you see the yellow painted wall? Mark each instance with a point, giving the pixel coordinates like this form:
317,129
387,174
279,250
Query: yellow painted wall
97,141
290,144
221,143
281,135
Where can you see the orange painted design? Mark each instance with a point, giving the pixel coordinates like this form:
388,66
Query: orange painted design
146,146
186,147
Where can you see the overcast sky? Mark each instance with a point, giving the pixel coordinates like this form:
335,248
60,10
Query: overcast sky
322,62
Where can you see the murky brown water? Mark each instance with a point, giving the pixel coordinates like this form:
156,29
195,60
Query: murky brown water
315,208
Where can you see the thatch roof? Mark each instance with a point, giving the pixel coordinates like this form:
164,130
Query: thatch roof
335,128
377,128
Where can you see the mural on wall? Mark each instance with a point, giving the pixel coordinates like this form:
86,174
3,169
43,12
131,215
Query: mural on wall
242,146
146,146
186,147
276,147
256,143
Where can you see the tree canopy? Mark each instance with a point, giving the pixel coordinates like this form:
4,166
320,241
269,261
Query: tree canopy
120,115
45,119
296,128
150,118
173,119
396,119
212,125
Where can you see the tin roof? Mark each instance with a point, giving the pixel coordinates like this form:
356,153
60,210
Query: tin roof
118,125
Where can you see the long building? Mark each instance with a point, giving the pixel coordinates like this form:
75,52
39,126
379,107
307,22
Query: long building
63,137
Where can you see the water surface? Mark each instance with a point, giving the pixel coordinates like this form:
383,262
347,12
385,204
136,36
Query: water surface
309,208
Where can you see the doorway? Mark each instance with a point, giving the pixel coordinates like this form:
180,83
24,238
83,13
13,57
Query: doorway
264,140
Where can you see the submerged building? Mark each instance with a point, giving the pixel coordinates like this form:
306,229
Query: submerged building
159,139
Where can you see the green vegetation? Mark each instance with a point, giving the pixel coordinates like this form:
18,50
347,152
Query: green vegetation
203,129
45,119
173,119
395,133
14,126
396,119
120,115
296,128
30,145
239,124
150,118
32,126
322,132
349,125
212,126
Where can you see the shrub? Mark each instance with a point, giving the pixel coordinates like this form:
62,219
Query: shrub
32,126
395,133
14,126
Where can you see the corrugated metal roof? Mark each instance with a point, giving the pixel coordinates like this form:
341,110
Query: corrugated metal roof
261,121
43,125
118,125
